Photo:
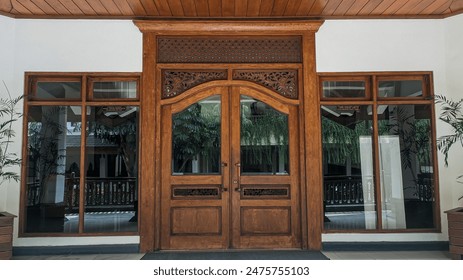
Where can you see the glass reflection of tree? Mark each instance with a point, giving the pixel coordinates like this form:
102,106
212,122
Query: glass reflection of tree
45,157
118,130
261,128
341,142
415,139
196,132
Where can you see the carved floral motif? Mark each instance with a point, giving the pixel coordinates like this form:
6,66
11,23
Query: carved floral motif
177,82
282,82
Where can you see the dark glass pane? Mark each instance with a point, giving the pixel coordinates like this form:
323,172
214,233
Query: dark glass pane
111,169
348,177
343,89
406,164
264,138
54,90
53,151
411,88
116,89
196,138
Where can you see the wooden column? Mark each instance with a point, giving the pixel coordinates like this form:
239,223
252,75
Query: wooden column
147,192
313,146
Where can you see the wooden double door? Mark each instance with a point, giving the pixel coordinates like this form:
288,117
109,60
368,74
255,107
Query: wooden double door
230,171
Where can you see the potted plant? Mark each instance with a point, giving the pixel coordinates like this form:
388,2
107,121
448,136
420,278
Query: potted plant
452,115
8,115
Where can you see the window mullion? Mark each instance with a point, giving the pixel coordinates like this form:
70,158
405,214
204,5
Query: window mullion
376,156
83,141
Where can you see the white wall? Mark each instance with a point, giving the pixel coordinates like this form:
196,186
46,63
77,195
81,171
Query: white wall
400,45
7,39
344,45
66,46
454,70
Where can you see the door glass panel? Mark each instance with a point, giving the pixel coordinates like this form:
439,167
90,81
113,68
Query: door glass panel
196,138
264,138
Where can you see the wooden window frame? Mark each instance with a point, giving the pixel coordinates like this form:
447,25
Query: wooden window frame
30,85
35,79
375,101
112,78
345,78
412,77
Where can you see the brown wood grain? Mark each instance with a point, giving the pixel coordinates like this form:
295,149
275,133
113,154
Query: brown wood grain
163,8
434,6
176,8
6,230
98,7
379,10
232,9
137,7
215,8
312,141
5,255
83,5
370,6
318,7
266,7
304,7
356,7
150,7
292,7
331,7
147,191
45,7
392,10
228,8
124,7
241,8
202,8
279,7
6,238
26,7
343,7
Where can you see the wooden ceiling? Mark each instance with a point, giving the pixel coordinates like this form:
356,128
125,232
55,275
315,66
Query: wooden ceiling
240,9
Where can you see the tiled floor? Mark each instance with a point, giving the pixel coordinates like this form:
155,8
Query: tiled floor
333,255
388,255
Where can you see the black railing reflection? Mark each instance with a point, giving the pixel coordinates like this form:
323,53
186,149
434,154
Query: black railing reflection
99,193
352,191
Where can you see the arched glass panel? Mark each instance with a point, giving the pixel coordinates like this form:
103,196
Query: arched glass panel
196,138
264,138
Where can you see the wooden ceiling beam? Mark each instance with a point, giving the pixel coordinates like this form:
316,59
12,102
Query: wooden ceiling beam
237,9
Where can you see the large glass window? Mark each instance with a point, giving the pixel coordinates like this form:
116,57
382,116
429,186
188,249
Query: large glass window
58,126
406,165
383,149
349,188
52,180
111,167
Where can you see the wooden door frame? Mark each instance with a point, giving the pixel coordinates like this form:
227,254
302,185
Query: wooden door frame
309,116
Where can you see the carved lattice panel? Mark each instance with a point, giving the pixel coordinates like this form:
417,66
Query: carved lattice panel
195,192
282,82
177,82
265,192
229,50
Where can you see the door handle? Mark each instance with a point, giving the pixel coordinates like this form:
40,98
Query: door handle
222,187
238,178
